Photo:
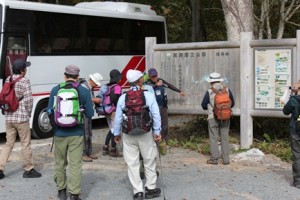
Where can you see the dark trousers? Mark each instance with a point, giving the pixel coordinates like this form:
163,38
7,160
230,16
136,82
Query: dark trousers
110,137
87,148
164,122
295,147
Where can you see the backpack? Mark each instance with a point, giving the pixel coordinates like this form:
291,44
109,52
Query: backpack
222,104
106,107
67,108
8,99
136,114
160,94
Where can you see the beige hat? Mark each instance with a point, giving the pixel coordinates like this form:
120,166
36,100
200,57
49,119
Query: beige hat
97,78
133,75
215,77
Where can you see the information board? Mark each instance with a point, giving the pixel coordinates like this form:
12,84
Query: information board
272,76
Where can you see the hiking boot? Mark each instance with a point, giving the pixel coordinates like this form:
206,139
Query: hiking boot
74,197
87,159
31,174
62,194
212,162
93,156
105,151
114,153
2,174
138,196
150,194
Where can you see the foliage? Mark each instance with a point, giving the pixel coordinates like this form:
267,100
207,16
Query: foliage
194,135
275,128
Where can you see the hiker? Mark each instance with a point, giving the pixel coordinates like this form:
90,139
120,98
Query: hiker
112,91
293,107
138,141
93,82
159,85
17,123
216,128
68,141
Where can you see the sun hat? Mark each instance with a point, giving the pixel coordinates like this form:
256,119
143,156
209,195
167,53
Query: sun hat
19,64
115,76
152,72
72,70
96,78
215,77
133,75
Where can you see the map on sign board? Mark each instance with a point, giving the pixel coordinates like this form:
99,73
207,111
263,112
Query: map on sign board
272,76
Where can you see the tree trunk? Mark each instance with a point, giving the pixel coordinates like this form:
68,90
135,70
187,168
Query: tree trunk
196,26
238,17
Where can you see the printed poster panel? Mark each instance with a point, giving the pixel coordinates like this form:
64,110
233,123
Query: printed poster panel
272,77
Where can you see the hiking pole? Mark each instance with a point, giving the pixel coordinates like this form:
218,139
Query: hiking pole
159,156
52,144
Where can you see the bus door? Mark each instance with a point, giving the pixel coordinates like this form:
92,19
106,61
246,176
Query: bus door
14,47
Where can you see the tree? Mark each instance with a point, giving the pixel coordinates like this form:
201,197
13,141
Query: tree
238,17
280,12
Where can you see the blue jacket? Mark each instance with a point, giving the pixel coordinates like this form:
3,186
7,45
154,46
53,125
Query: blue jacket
86,101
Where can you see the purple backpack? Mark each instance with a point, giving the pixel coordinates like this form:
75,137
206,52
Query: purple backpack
106,107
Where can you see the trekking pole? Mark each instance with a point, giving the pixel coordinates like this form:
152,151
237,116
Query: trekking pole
52,144
159,156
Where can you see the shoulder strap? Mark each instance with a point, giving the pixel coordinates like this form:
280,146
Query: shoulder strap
14,81
216,91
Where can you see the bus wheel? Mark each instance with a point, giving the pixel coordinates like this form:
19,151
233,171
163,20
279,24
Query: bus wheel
41,127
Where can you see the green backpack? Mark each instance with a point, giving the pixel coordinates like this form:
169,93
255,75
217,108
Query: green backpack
67,107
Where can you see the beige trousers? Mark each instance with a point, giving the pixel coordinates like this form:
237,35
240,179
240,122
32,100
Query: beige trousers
133,145
23,130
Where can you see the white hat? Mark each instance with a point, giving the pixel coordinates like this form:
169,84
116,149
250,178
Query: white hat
97,78
215,77
133,75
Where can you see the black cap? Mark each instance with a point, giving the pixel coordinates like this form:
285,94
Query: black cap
115,76
20,64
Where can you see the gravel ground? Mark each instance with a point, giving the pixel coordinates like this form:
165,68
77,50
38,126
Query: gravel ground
184,176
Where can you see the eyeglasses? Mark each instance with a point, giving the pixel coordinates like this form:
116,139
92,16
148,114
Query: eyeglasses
153,76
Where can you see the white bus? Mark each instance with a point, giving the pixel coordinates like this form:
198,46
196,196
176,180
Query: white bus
96,36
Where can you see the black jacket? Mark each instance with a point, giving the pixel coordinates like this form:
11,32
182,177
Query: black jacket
293,107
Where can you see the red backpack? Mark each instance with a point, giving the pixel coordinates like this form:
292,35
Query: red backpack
8,99
222,107
137,118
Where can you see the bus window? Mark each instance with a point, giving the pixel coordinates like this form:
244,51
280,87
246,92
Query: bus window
16,49
60,44
102,45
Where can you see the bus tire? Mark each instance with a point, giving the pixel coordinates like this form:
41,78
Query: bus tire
41,127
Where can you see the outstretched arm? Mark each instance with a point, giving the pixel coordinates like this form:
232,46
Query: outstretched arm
172,87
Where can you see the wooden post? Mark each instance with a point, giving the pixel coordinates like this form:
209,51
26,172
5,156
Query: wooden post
246,77
297,57
149,43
